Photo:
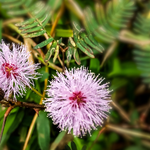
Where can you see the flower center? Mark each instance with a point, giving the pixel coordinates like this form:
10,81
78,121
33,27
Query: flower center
9,69
78,97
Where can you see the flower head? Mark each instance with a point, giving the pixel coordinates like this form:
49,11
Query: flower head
15,70
77,100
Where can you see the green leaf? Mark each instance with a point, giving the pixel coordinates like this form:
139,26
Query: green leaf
84,50
76,56
134,117
69,53
40,16
117,83
55,4
57,140
94,65
97,146
12,122
8,1
29,26
84,147
35,34
141,53
109,20
75,36
73,146
85,46
43,129
31,20
44,74
90,36
116,67
59,41
44,43
50,51
23,133
64,33
2,111
135,148
39,5
78,142
113,137
10,119
32,30
18,11
90,43
56,53
67,147
10,6
76,26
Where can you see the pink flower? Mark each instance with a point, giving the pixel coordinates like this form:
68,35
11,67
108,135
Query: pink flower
77,100
15,70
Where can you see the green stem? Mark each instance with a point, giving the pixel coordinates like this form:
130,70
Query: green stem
83,58
38,93
49,64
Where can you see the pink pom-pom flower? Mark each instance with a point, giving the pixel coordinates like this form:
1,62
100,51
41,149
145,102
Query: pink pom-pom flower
77,101
15,70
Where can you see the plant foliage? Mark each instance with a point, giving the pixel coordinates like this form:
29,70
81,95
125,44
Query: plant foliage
142,53
86,43
108,22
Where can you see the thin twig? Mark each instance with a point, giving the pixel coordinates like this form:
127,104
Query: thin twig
10,102
16,39
61,62
75,8
28,50
4,120
60,12
144,114
39,49
128,132
11,38
14,20
121,111
143,142
109,52
63,55
129,37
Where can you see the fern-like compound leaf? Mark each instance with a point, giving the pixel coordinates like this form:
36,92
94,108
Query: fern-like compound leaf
108,23
142,53
85,42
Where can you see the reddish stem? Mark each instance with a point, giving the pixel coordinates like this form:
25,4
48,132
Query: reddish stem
4,120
